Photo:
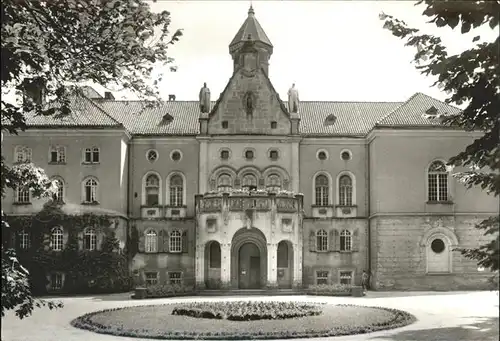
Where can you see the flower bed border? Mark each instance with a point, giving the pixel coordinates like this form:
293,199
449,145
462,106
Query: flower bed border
400,319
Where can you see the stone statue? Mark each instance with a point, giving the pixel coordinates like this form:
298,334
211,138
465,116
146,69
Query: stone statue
293,99
205,99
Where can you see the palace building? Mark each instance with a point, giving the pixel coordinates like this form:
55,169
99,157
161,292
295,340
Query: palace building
255,191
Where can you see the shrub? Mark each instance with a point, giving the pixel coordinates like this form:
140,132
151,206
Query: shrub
332,289
167,290
247,311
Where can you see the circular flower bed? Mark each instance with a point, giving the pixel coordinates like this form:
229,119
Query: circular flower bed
247,311
160,322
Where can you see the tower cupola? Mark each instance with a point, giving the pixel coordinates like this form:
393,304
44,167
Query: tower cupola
251,46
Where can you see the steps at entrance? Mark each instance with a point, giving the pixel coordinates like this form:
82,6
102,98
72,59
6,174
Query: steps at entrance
250,292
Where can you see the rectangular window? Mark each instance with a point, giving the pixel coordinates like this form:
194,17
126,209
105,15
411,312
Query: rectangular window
321,243
151,278
24,240
88,155
56,281
95,155
175,277
321,277
53,155
346,277
443,187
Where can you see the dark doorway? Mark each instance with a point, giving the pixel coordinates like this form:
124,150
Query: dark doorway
249,267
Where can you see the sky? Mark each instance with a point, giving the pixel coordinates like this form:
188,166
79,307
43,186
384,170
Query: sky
331,50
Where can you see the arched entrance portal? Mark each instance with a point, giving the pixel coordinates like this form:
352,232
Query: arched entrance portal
248,259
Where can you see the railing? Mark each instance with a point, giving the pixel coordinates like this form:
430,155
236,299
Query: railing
215,202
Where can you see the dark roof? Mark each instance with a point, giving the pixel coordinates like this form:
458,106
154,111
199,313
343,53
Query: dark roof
140,119
84,113
251,28
414,111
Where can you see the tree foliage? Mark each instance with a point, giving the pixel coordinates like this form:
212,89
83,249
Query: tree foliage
49,48
471,78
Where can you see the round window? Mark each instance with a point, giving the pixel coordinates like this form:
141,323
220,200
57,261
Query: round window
322,155
224,155
345,156
152,155
249,154
176,155
437,246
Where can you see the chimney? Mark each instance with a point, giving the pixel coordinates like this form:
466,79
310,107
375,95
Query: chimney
171,98
109,95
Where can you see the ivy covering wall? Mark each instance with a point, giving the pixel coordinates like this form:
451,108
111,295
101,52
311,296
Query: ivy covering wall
102,270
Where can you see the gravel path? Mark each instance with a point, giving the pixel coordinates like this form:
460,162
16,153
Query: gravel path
452,316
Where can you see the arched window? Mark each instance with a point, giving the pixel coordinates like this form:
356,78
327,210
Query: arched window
22,195
90,191
345,190
249,182
57,154
152,190
90,239
175,242
59,195
273,182
56,239
151,241
437,182
321,190
23,154
321,240
345,240
24,240
224,183
176,190
215,255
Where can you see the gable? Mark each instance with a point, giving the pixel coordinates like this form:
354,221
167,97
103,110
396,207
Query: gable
249,104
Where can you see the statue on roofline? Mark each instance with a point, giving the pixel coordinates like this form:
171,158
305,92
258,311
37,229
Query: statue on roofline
293,99
204,99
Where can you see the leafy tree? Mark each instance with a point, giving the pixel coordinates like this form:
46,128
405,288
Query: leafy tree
48,49
471,78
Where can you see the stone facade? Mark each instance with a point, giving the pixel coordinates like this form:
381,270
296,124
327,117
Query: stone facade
335,189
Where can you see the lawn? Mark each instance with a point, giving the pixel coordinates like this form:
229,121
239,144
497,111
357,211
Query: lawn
158,322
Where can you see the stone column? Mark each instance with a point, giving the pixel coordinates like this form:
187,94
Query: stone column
203,169
225,267
297,265
272,275
295,168
200,266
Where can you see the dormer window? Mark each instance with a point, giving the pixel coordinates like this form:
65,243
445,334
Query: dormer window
432,111
330,120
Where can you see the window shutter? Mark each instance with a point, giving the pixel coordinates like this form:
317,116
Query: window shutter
312,241
159,242
184,242
337,240
331,240
65,238
99,239
165,241
355,240
80,240
142,240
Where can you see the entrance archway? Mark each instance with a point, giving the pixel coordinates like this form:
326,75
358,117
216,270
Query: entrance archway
285,264
248,259
212,265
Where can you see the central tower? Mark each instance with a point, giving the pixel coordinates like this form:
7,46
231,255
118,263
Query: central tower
252,41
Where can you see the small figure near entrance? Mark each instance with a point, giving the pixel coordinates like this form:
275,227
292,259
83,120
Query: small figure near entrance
365,279
293,99
205,99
